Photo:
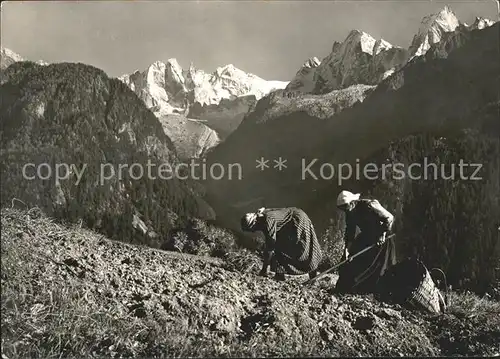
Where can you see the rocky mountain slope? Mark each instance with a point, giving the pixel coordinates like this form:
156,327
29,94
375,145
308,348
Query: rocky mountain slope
71,120
361,59
431,30
304,79
284,102
226,116
464,83
191,138
69,292
8,57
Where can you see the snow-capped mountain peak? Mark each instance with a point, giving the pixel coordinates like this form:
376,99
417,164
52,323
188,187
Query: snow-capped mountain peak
445,19
155,73
174,77
365,41
229,69
303,79
171,92
7,53
8,57
358,39
231,72
431,30
173,62
175,69
359,59
311,63
167,88
381,45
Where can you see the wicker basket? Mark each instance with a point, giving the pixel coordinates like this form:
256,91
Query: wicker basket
426,295
409,283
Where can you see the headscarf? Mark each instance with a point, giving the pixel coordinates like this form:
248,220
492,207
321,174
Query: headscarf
249,220
346,197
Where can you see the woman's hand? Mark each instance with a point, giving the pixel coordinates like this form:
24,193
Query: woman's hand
381,240
267,261
346,253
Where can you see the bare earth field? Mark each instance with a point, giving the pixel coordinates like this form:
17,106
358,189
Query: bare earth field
69,292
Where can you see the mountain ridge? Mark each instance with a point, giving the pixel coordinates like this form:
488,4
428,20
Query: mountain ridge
374,60
194,85
168,89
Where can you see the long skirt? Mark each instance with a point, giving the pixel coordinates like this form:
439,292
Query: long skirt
363,274
297,249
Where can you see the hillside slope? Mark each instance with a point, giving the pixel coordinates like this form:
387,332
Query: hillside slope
69,292
438,93
75,117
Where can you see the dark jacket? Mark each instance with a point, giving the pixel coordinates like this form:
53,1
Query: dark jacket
370,217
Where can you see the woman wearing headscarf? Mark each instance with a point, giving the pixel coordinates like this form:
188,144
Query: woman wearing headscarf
362,274
291,244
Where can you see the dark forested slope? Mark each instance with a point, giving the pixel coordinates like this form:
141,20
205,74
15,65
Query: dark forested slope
74,114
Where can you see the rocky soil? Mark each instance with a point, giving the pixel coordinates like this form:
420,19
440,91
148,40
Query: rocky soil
165,304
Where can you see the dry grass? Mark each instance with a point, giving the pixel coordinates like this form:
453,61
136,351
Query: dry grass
202,239
44,316
333,246
470,327
470,305
243,261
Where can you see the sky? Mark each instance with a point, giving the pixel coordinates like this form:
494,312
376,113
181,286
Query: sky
269,38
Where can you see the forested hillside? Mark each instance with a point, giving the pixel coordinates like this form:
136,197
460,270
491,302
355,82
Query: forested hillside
446,216
74,114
